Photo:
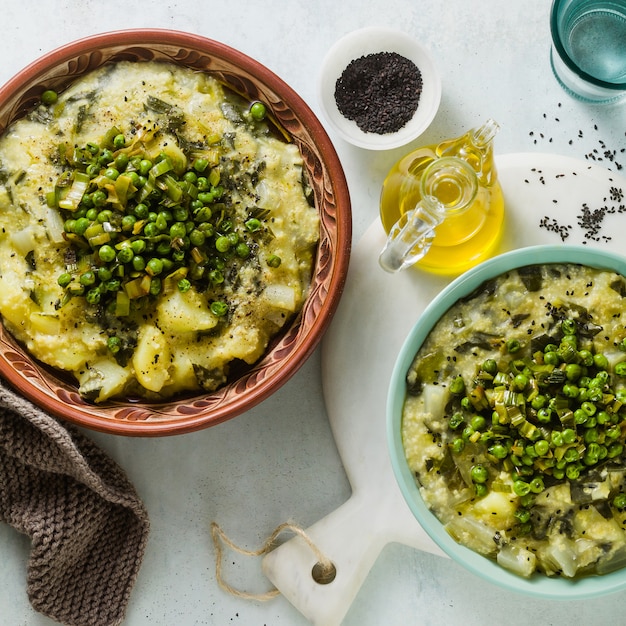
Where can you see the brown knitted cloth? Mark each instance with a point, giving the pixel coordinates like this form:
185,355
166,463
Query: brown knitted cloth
87,525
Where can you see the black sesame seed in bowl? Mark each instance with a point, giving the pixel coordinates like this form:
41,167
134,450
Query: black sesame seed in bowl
379,88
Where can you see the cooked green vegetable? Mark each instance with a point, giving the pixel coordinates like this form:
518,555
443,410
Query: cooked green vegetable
518,441
134,219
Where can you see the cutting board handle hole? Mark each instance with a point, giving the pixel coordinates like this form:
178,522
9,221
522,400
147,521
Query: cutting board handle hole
323,573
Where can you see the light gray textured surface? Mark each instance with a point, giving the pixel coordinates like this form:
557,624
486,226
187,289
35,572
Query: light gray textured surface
279,461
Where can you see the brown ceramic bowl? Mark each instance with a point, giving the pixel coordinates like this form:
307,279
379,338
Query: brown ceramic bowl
288,352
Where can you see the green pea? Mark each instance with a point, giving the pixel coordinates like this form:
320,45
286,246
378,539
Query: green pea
273,261
106,157
600,361
197,237
592,454
222,244
112,285
155,286
119,141
64,279
128,223
556,438
456,419
200,164
184,285
253,225
478,422
145,165
594,394
458,445
457,386
480,489
104,273
513,345
468,431
114,344
544,415
499,451
216,277
521,488
572,471
585,357
161,221
219,308
150,230
87,279
106,253
479,473
520,381
99,198
569,342
141,211
111,173
125,254
538,402
139,263
190,177
551,358
154,266
573,371
93,296
258,111
536,485
49,96
177,230
203,214
242,250
542,447
612,433
138,246
121,162
619,501
589,408
206,197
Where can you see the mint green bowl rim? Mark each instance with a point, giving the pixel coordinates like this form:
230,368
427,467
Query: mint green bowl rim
538,585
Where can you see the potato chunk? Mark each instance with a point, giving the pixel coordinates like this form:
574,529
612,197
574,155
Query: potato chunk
151,358
185,312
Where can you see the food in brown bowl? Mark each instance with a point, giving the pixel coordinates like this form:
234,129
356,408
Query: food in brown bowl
175,231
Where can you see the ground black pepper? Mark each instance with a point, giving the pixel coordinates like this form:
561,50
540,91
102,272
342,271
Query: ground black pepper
379,91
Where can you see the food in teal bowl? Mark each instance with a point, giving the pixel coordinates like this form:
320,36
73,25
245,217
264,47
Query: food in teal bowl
507,421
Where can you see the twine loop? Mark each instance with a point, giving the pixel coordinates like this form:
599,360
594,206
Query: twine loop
323,571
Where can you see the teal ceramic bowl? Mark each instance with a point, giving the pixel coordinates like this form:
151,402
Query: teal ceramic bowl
538,585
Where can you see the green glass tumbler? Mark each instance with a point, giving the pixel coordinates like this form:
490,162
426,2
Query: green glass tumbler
588,53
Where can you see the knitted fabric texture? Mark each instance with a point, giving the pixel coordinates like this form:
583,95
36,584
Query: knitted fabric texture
87,525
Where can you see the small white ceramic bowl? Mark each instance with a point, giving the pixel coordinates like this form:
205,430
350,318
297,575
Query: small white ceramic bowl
371,41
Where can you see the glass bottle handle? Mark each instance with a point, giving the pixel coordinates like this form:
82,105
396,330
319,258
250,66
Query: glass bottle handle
412,235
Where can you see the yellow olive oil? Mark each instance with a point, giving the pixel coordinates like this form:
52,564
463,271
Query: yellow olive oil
466,236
